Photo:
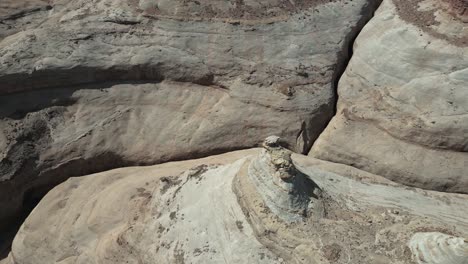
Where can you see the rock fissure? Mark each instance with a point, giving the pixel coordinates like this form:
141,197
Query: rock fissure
414,114
275,84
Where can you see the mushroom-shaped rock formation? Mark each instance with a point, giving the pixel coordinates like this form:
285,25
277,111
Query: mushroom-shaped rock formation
438,248
288,193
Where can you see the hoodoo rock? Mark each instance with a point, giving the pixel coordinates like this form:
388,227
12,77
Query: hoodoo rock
287,192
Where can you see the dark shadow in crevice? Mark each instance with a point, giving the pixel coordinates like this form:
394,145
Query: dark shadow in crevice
344,57
89,78
85,75
7,233
16,106
346,53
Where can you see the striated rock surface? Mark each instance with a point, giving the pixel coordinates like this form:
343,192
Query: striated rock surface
439,248
18,15
212,210
286,191
403,109
103,84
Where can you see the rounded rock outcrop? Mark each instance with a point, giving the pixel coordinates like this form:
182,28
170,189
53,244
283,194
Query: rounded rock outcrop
438,248
404,94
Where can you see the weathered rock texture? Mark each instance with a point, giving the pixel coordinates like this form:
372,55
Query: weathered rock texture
103,84
18,15
439,248
459,8
210,211
403,104
286,191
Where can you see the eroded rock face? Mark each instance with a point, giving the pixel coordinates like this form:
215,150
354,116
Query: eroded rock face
287,192
459,8
18,15
403,109
439,248
231,9
117,83
210,211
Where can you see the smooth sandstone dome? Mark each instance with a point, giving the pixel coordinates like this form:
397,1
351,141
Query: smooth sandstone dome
403,111
213,210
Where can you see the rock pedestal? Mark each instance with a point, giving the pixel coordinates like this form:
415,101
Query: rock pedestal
288,193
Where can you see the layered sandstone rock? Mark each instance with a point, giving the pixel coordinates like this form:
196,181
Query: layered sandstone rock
287,192
91,85
439,248
104,84
403,104
18,15
212,211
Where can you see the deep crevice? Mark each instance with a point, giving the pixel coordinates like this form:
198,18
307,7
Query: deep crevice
346,54
32,196
347,51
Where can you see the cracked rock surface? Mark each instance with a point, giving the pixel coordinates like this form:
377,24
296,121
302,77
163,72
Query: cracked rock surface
88,86
102,84
403,104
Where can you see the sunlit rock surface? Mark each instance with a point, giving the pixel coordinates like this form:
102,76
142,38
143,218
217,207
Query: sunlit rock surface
210,211
102,84
403,104
439,248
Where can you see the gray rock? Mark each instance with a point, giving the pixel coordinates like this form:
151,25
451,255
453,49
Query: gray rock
208,211
18,15
403,104
104,84
287,192
438,248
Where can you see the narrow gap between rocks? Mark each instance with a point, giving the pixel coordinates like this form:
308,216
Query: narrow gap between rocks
347,53
30,200
33,196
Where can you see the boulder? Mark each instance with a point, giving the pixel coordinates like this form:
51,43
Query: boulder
403,104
